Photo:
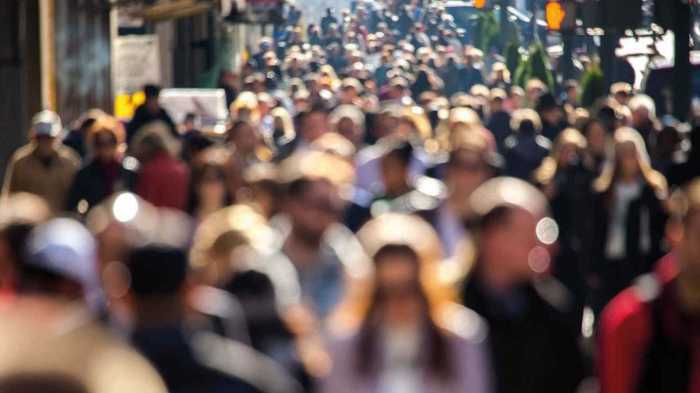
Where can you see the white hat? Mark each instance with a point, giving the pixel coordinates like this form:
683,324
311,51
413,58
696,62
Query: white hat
66,248
47,123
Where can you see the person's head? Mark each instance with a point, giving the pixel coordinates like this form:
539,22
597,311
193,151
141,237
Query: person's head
395,165
683,229
106,139
399,296
534,89
469,165
245,107
621,92
313,205
152,140
499,73
46,127
516,97
566,152
549,110
497,99
571,89
509,218
349,122
526,122
208,185
596,137
643,110
20,213
244,137
60,261
314,123
157,276
629,161
283,125
152,93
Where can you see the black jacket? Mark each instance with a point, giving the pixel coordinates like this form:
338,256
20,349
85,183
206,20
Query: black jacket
648,204
533,339
91,185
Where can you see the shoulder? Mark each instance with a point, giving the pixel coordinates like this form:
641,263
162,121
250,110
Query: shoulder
554,294
69,156
627,315
464,325
22,154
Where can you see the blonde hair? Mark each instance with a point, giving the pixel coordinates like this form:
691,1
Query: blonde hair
521,115
247,100
610,174
283,116
499,67
544,174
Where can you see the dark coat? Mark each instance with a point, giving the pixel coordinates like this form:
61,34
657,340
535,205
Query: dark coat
93,185
142,117
524,153
534,349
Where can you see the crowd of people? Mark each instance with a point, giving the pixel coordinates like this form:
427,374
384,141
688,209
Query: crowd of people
387,212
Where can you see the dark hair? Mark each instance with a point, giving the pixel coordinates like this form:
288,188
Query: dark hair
157,270
402,149
151,91
438,357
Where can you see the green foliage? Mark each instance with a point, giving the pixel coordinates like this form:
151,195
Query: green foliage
513,57
536,66
487,30
592,85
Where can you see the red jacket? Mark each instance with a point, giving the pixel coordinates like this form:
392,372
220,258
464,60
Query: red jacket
164,181
626,331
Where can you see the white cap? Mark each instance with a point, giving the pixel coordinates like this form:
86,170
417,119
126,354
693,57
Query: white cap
47,123
65,247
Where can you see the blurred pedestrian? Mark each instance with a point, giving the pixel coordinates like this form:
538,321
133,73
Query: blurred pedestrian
647,332
150,111
163,179
105,173
629,217
534,345
403,338
43,167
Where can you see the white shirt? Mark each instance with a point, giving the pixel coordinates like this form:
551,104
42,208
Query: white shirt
625,193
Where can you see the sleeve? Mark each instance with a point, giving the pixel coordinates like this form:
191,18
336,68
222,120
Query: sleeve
624,334
10,183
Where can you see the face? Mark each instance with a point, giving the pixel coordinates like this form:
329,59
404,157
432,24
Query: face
640,117
514,244
315,210
627,159
105,145
45,145
568,155
398,287
689,247
347,128
315,125
245,138
212,187
394,173
465,173
596,138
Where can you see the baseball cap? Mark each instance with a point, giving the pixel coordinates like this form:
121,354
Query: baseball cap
66,248
47,123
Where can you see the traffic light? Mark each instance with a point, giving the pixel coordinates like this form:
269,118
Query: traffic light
560,15
554,15
480,4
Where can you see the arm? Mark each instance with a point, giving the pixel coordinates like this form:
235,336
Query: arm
624,334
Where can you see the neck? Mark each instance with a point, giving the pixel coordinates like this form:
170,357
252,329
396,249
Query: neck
159,311
630,178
